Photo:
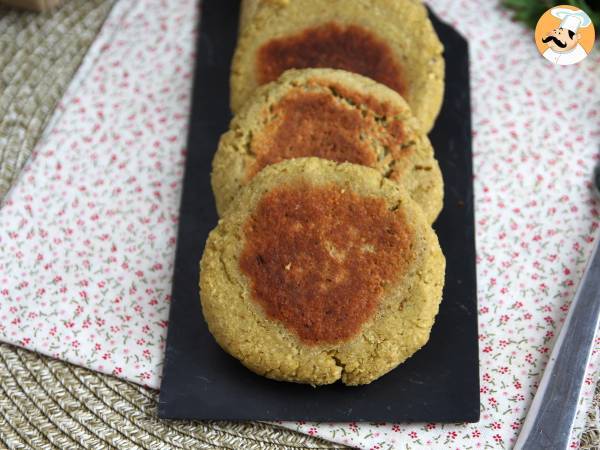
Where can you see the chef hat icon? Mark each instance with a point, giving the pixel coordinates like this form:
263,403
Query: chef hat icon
571,20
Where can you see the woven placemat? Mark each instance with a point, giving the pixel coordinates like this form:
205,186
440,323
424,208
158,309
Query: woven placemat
45,403
39,54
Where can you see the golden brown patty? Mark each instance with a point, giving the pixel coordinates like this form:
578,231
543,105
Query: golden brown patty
321,271
305,274
331,45
332,114
390,41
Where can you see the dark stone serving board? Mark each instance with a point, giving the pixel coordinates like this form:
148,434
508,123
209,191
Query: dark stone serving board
439,383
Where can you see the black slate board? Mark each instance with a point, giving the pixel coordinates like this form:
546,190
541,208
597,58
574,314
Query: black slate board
439,383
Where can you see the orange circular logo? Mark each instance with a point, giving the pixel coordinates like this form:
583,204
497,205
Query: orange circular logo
564,35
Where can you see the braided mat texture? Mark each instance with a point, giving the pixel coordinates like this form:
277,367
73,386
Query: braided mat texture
590,439
47,404
39,54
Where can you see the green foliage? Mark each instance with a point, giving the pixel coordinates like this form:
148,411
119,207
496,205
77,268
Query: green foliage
529,11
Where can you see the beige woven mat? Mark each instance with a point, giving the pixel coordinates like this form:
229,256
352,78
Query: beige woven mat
45,403
39,54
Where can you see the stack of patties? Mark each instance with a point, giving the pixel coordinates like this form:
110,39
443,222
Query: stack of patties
324,265
330,114
390,41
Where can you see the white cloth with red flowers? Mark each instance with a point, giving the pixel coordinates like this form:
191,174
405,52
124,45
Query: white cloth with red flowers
87,235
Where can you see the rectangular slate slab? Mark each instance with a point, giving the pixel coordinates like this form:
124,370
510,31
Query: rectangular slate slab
440,383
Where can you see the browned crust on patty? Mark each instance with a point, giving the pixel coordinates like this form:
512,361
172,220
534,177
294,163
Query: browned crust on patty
246,326
319,258
331,114
331,45
391,41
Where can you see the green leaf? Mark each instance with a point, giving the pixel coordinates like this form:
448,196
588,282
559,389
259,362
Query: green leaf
529,11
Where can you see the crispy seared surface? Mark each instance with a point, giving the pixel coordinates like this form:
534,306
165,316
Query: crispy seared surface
307,239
